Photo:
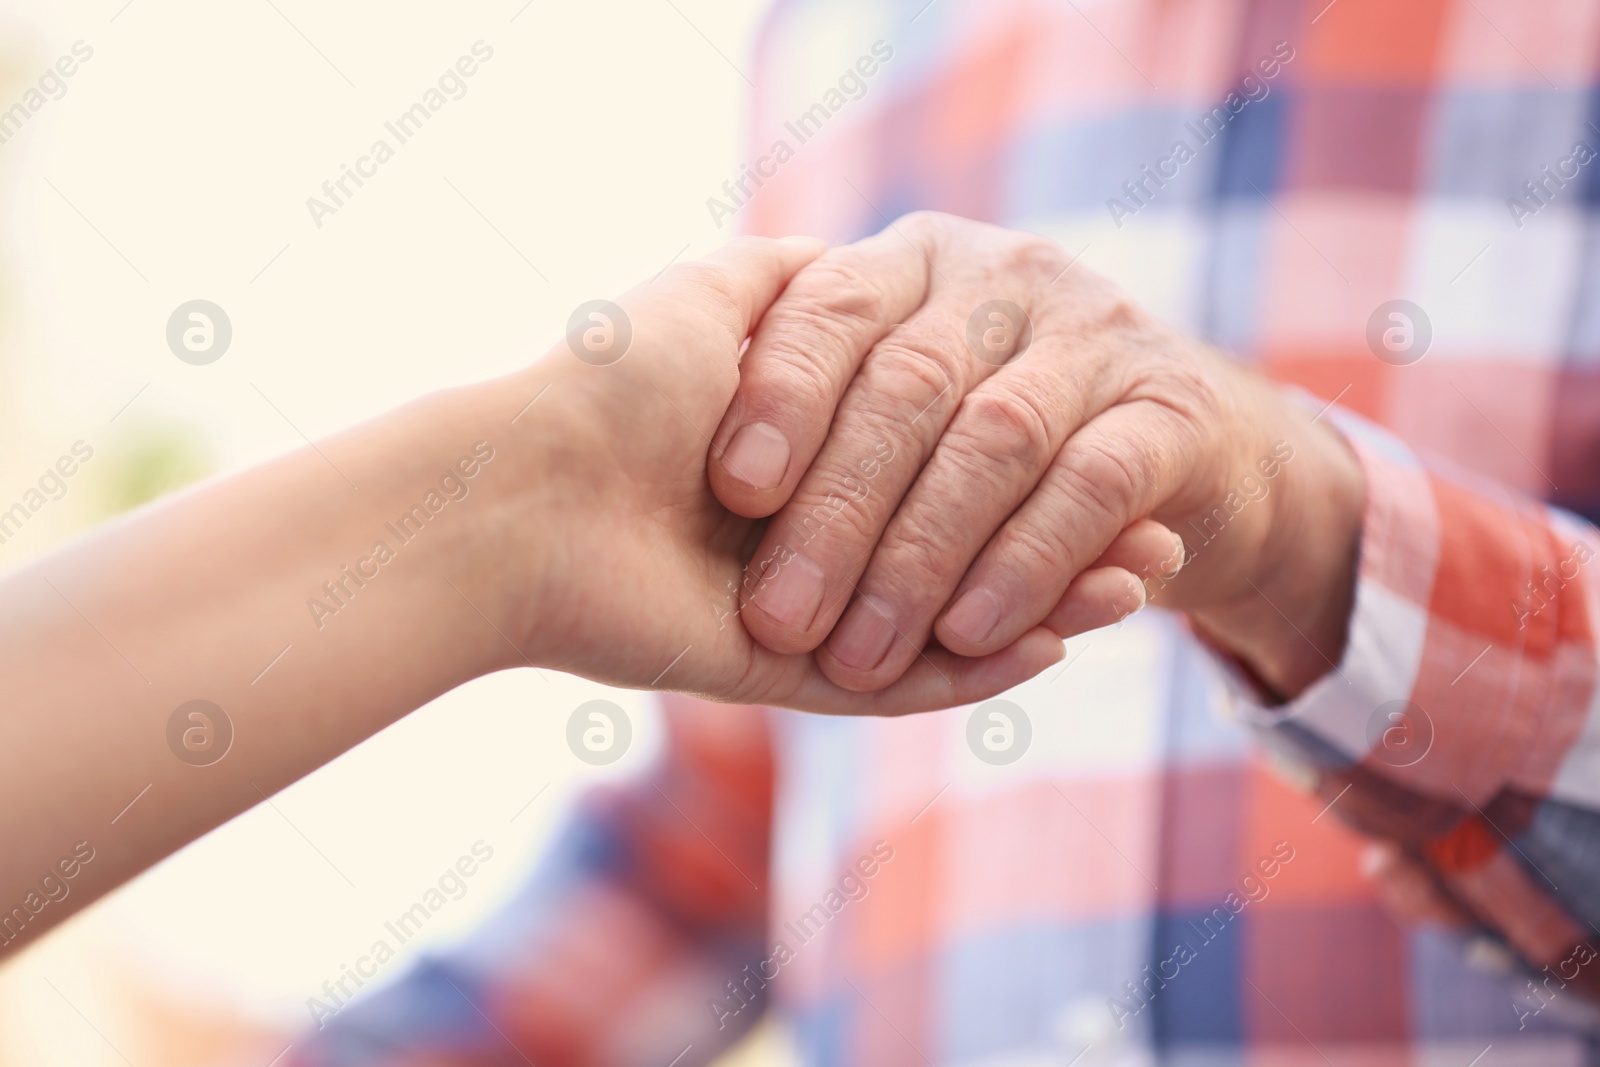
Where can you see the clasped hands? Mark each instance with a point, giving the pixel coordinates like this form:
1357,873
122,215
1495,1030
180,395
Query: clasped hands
881,478
892,476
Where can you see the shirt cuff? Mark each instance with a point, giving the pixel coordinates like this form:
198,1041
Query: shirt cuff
1461,677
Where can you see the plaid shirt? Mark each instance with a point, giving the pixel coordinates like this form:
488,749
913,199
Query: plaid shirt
1170,872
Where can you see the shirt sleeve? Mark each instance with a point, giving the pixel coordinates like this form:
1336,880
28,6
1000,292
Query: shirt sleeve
1462,721
625,947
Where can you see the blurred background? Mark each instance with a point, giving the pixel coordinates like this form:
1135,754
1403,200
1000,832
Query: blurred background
175,164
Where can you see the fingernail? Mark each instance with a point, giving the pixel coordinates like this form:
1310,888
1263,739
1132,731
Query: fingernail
1079,617
863,638
758,455
1180,556
974,616
791,597
1138,596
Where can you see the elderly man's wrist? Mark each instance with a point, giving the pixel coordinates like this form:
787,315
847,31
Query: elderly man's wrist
1289,621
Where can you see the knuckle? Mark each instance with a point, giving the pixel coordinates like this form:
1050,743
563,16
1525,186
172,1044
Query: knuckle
1003,427
926,221
936,232
911,369
707,279
818,331
1193,394
831,506
791,376
835,290
1123,315
1106,310
753,685
1105,480
1032,256
1030,551
911,560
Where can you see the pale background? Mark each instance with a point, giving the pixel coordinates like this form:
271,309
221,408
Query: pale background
176,167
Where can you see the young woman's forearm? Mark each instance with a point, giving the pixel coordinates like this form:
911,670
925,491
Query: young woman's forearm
311,601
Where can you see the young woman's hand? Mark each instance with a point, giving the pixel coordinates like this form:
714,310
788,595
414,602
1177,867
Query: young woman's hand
605,550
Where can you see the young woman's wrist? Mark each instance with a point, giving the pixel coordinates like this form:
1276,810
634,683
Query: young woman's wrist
510,558
425,496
